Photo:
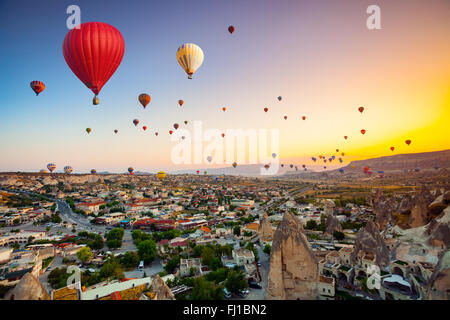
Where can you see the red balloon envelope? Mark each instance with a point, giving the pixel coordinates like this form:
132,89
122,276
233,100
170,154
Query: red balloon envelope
266,109
345,137
37,86
408,142
93,52
144,127
363,131
392,148
170,131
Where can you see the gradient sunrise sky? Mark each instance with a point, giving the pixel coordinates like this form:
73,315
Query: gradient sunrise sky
318,55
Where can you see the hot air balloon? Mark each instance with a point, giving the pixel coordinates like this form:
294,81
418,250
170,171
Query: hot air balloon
183,137
230,29
136,122
190,57
314,159
144,99
176,125
337,150
161,175
224,109
343,154
198,171
88,130
68,169
285,117
43,171
296,168
170,131
51,167
223,135
180,102
279,98
361,109
93,52
267,166
341,170
93,171
325,167
392,148
209,158
37,86
363,131
156,133
274,155
340,160
144,128
266,109
303,165
304,118
130,170
282,165
366,169
185,122
345,137
116,131
291,165
234,164
353,167
408,142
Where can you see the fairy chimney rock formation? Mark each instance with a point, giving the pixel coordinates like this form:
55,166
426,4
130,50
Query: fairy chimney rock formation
293,266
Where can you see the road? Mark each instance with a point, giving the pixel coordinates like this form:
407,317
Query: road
260,294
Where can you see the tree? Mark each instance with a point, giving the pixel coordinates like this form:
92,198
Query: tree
147,250
111,269
237,230
130,259
235,281
311,225
172,264
207,255
205,290
84,254
339,235
267,249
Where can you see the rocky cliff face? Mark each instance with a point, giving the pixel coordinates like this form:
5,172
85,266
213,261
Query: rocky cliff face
293,267
369,239
439,284
383,208
28,288
332,224
265,231
161,290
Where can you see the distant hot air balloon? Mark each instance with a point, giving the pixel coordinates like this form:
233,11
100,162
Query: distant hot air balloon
345,137
325,167
170,131
363,131
337,150
340,160
392,148
291,165
183,137
303,165
116,131
156,133
88,130
190,57
224,109
93,52
180,102
341,170
408,142
136,122
161,175
279,98
274,155
42,171
285,117
68,169
185,122
314,159
144,128
343,154
93,171
198,171
361,109
230,29
304,118
282,165
267,166
266,109
223,135
51,167
176,125
37,86
234,164
144,99
130,170
209,158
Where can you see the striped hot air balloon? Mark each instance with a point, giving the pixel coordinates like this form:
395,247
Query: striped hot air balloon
93,171
51,167
190,57
37,86
68,169
161,175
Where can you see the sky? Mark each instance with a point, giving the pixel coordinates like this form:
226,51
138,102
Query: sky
318,55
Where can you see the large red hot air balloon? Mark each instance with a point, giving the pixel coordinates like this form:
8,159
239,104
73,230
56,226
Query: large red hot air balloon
266,109
361,109
37,86
144,99
408,142
93,52
363,131
144,128
230,29
170,131
285,117
304,118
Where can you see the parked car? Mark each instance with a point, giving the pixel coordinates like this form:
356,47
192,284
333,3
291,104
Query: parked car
226,293
243,293
254,284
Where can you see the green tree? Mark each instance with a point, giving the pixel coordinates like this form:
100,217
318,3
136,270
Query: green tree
205,290
339,235
267,249
111,269
237,230
147,250
207,255
235,281
172,264
130,259
84,254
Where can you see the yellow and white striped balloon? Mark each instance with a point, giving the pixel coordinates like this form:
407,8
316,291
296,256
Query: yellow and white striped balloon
190,57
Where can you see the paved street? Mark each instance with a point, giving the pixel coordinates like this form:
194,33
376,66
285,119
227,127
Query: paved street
260,294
